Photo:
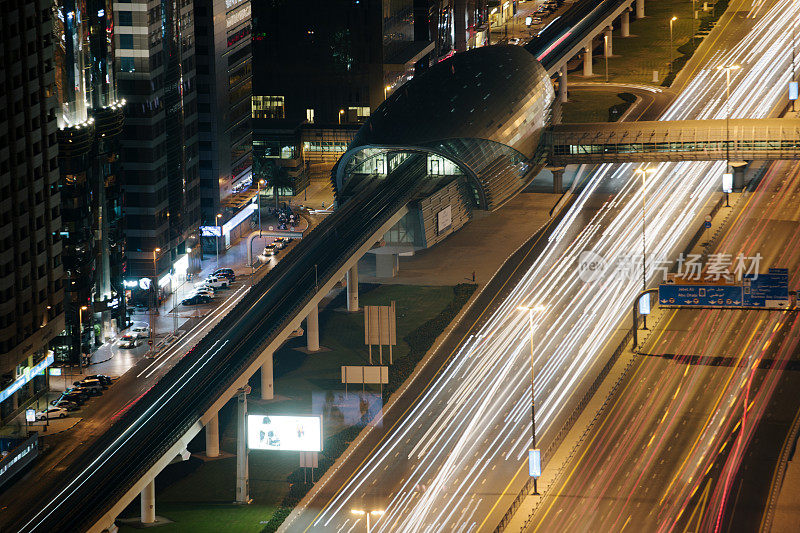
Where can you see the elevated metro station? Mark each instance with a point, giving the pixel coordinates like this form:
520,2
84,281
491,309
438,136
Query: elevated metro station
477,118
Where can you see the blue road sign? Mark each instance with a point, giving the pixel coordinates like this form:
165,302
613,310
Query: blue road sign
700,295
769,290
708,224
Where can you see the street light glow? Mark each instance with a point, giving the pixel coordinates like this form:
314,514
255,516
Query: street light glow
536,308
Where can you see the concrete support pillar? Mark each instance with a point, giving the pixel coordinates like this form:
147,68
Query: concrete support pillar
312,330
558,179
739,168
587,61
352,288
212,436
242,467
148,502
386,265
562,85
267,392
625,26
609,47
639,9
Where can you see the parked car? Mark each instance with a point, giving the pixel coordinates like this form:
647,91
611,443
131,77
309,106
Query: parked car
89,391
140,330
66,404
106,380
225,273
216,282
90,384
140,308
270,250
196,299
51,412
75,396
205,291
279,243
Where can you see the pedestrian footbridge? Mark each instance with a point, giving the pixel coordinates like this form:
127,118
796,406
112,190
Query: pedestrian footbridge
681,140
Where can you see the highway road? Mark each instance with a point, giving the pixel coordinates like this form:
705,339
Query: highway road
665,456
457,457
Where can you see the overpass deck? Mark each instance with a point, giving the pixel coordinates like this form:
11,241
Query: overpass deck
681,140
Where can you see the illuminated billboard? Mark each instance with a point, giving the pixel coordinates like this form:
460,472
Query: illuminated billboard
288,433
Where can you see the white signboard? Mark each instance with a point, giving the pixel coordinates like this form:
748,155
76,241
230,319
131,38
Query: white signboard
644,304
444,219
727,182
290,433
535,463
793,92
30,415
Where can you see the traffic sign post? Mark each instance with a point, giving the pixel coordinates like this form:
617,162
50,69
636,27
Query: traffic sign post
761,291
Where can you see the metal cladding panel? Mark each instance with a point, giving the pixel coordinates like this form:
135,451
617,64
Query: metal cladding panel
496,93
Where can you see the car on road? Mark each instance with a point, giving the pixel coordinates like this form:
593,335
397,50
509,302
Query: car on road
281,243
514,40
270,250
66,404
51,412
227,273
216,282
140,330
196,299
128,341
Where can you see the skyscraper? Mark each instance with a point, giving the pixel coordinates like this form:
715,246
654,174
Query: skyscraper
154,60
223,50
90,119
31,291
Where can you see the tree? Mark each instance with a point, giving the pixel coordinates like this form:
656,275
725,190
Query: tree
277,177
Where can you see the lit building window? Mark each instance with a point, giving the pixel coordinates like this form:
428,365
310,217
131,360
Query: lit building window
268,106
310,116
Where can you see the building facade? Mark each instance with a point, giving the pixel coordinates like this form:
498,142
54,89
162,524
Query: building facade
31,269
90,118
155,66
223,49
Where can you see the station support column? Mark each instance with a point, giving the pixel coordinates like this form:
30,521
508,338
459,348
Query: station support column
148,503
352,288
625,26
312,329
562,85
212,436
639,9
587,61
267,392
242,467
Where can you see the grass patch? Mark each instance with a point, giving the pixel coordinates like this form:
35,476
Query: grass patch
211,517
589,105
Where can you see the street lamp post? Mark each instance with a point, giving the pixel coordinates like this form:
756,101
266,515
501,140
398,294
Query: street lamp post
605,53
341,112
216,237
154,305
644,172
530,310
386,91
260,184
367,514
80,336
671,21
728,69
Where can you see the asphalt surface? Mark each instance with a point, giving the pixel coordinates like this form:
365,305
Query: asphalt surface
458,455
661,458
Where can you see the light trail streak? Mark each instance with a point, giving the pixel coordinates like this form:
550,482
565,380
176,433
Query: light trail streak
453,448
